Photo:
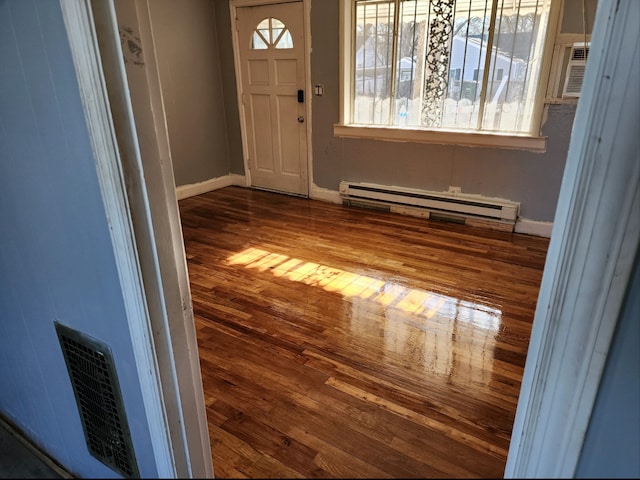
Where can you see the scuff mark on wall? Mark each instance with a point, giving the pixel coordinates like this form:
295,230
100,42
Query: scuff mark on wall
131,46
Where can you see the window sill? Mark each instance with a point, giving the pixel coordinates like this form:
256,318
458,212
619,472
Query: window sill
467,139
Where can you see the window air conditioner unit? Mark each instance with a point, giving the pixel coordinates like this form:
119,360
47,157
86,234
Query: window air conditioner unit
575,70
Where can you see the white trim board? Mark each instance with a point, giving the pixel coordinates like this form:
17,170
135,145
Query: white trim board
146,174
442,137
19,436
83,43
159,237
595,237
324,194
193,189
533,227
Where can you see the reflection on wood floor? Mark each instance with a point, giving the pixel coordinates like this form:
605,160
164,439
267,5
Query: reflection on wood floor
340,342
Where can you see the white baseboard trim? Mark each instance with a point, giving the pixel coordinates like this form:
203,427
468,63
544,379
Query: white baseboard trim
238,180
533,227
324,194
14,432
193,189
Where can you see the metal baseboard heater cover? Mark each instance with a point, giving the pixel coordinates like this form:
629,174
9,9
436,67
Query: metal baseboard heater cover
95,385
459,208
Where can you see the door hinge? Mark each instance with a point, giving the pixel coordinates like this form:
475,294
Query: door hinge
243,99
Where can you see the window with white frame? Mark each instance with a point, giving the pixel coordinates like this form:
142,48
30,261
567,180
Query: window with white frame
446,65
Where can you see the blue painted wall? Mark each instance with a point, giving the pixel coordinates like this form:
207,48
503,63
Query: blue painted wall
56,256
612,443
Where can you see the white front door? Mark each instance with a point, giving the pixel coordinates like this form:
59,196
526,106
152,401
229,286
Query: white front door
271,50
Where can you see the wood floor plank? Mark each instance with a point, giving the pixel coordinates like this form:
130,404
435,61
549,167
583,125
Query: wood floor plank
340,342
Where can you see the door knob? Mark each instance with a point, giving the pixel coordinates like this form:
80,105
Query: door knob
300,119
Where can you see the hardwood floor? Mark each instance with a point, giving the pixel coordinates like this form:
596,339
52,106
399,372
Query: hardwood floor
339,342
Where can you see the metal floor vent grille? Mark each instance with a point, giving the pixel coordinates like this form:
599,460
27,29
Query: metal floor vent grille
95,385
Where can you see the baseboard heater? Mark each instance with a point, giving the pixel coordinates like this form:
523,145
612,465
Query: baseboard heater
471,210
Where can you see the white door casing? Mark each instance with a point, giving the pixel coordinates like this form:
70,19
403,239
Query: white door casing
128,133
271,52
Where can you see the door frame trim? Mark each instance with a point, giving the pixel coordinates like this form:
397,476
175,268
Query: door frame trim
148,249
593,246
79,24
234,5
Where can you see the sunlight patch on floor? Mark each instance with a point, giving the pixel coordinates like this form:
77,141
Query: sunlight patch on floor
417,302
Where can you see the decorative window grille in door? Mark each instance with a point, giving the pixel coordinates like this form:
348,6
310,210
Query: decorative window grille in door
271,33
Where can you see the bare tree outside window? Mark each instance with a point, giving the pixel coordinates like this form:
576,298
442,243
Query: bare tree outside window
457,64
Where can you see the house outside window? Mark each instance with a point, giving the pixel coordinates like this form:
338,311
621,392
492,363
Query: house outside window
467,66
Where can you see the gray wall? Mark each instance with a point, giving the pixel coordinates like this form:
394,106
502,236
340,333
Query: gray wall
533,179
229,88
612,444
56,256
192,88
574,21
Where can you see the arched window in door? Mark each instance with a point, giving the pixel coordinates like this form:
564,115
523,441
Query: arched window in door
271,33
